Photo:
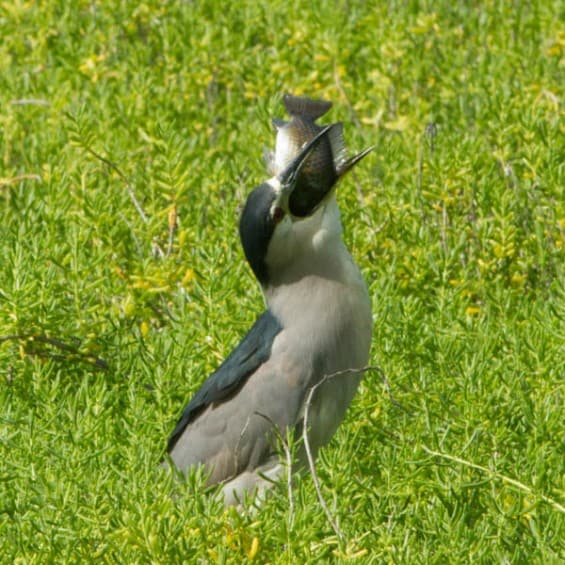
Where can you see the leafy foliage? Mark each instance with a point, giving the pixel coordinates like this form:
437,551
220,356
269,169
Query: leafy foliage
131,134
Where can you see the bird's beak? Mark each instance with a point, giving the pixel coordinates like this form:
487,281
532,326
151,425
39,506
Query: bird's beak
288,176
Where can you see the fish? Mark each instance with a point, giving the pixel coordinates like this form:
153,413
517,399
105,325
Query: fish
327,163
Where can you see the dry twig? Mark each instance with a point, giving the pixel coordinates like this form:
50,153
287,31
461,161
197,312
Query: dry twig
30,102
71,353
288,460
307,448
116,169
496,475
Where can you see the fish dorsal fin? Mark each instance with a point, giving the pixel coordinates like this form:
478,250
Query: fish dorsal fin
301,106
269,158
348,164
339,152
278,124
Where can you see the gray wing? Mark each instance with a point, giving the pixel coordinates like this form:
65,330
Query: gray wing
237,431
252,351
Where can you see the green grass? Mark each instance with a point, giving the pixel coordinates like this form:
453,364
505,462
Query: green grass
457,220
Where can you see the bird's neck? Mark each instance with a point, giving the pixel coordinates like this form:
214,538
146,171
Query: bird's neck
318,279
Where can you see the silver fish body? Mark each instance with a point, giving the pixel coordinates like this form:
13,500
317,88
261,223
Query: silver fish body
326,164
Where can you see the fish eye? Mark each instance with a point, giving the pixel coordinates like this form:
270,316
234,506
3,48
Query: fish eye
278,214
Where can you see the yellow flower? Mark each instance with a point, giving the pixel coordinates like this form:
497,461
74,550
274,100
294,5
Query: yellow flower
189,276
254,548
144,329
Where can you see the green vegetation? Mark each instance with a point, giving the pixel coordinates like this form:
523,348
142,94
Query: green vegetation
112,313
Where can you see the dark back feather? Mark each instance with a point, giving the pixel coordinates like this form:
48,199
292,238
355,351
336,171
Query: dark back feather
245,359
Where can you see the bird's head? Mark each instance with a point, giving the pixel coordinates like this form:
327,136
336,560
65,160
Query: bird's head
271,235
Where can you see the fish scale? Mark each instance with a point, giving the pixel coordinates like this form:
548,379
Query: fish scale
326,164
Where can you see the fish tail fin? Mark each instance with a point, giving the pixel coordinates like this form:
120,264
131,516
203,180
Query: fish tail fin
301,106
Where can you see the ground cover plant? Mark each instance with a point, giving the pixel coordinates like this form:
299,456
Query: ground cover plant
130,134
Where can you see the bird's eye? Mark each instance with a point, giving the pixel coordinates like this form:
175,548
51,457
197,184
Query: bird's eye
278,215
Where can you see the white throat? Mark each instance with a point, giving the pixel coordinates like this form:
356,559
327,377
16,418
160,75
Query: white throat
299,245
310,266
